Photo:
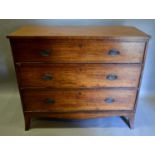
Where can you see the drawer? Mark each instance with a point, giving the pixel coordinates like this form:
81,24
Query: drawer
78,76
78,100
65,51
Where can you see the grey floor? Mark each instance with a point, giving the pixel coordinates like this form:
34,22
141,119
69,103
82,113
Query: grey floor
12,122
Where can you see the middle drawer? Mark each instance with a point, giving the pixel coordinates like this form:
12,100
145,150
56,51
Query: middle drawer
78,75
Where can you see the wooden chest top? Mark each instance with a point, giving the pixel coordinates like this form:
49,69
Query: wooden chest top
81,32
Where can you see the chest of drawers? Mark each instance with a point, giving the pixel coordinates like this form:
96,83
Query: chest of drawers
79,72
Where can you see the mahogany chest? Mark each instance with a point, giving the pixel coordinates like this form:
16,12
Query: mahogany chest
79,72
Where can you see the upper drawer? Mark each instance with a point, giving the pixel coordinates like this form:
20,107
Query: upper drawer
78,51
79,76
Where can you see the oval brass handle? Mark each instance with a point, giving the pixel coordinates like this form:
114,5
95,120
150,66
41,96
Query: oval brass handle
47,77
45,53
113,52
49,101
109,100
111,77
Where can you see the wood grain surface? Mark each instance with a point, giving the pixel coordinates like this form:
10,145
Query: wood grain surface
77,51
78,100
102,32
78,76
78,115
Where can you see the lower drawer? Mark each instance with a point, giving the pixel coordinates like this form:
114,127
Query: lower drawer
78,100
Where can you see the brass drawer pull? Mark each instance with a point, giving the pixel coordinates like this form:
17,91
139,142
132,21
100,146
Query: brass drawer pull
111,77
109,100
47,77
49,101
45,53
113,52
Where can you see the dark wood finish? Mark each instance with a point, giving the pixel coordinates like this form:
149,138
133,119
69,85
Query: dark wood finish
79,72
77,51
131,118
27,122
78,76
78,100
78,115
141,75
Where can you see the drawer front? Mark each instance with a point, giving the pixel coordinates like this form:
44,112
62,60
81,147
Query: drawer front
78,100
78,51
78,76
